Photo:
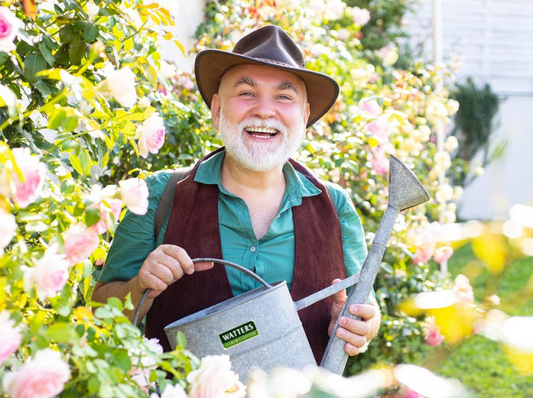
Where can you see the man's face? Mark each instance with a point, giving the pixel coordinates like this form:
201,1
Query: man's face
261,113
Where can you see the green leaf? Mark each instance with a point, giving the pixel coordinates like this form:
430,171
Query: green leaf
56,118
90,33
182,340
70,123
61,332
76,50
122,360
43,88
128,44
47,54
9,99
33,63
92,216
115,302
51,44
3,57
93,385
67,34
104,160
79,26
86,161
76,163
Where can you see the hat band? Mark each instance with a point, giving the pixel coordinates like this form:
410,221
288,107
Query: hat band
271,61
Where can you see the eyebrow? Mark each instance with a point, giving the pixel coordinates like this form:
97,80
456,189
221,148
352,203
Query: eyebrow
286,85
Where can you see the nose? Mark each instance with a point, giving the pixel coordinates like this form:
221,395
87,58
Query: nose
264,108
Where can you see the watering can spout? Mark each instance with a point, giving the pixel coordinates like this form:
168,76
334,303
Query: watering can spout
405,190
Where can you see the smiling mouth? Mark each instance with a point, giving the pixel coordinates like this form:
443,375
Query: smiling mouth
262,132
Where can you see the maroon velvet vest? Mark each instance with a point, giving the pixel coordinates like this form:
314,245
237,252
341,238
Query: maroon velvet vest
193,225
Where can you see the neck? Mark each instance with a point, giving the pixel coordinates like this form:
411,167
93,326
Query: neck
236,178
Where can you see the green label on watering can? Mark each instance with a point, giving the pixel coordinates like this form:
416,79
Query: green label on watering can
239,334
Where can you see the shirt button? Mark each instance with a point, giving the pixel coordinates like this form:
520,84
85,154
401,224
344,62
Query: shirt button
252,249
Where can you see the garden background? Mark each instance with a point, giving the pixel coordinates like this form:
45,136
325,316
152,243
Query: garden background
89,108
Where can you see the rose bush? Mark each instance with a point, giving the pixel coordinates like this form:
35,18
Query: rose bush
78,80
88,109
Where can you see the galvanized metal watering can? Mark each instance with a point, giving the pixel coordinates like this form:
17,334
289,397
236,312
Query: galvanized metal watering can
261,328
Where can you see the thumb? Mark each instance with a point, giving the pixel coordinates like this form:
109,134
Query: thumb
340,297
338,302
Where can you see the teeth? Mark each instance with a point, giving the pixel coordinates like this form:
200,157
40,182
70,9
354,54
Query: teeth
266,130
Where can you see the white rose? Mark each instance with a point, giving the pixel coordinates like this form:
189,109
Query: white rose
134,194
451,143
8,227
120,84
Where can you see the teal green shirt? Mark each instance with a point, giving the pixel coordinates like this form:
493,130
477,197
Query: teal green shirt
271,257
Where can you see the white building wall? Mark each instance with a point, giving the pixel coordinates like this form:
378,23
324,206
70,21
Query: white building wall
494,39
190,14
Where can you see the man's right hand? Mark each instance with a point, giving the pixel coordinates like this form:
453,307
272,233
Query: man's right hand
164,266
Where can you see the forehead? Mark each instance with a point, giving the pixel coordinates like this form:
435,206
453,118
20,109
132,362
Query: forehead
262,75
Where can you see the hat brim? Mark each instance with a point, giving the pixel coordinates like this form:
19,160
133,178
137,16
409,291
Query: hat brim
210,65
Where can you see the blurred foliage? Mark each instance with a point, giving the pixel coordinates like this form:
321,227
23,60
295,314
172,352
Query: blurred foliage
474,125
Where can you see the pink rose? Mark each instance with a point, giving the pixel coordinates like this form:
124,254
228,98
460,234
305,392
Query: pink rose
151,135
423,254
379,161
379,129
108,208
10,336
442,254
171,391
80,243
33,170
360,16
462,289
134,194
42,377
50,274
8,227
9,27
370,106
143,362
433,337
215,379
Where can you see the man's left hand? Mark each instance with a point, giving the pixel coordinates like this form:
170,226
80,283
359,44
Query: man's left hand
356,333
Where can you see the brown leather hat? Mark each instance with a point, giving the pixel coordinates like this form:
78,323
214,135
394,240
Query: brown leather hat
271,46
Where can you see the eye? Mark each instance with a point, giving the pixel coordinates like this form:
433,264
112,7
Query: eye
284,97
246,94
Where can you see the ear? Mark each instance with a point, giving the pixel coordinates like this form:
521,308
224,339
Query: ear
215,110
307,112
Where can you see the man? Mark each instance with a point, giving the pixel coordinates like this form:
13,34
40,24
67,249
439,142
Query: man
248,204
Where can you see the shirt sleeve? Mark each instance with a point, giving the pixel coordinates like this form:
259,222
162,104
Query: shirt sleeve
134,237
353,236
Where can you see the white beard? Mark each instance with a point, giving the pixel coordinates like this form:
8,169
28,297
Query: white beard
258,156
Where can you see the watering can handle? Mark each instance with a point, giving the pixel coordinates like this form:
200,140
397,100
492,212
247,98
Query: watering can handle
202,260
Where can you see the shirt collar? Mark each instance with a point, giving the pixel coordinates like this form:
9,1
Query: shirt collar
210,172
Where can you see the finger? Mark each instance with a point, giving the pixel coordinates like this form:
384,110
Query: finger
352,350
364,311
353,339
149,280
354,327
183,260
203,265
